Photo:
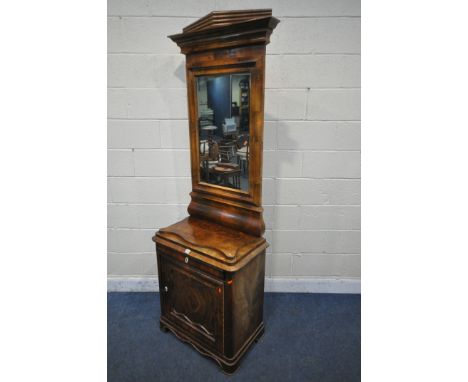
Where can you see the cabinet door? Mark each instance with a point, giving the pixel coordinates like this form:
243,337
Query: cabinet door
193,301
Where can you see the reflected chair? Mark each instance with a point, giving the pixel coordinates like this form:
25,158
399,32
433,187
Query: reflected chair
227,174
227,152
209,158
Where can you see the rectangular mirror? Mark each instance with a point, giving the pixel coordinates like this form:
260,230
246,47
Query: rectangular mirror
223,129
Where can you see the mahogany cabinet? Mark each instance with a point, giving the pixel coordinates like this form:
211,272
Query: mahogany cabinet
211,265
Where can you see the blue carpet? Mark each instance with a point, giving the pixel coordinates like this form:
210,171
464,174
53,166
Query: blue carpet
308,337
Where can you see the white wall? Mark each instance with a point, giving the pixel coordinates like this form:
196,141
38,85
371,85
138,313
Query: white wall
312,133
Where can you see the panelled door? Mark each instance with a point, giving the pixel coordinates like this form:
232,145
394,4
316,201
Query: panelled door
192,300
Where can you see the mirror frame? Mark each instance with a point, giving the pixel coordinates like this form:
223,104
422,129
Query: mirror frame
201,65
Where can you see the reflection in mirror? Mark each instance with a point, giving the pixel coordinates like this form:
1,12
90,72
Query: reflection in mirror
223,123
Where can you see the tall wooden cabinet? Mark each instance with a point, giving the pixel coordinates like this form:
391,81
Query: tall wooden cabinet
212,264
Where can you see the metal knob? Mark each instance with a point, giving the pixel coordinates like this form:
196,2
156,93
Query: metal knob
186,260
166,288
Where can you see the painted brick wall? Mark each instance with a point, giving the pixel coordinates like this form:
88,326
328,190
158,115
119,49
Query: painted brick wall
312,133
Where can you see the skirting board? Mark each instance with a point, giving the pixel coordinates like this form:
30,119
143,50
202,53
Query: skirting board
272,284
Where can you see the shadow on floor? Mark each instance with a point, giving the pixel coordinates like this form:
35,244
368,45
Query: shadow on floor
308,337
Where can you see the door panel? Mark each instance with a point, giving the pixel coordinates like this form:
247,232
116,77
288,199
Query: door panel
193,301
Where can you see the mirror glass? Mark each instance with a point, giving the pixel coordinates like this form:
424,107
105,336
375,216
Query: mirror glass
223,129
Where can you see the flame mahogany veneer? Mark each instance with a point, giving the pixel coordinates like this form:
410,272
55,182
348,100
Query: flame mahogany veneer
212,264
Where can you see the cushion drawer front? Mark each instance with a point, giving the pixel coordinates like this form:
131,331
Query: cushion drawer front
192,300
184,256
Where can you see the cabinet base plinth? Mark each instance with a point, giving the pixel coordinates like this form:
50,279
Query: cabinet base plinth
227,365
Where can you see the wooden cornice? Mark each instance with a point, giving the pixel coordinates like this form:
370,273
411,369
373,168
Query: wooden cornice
227,29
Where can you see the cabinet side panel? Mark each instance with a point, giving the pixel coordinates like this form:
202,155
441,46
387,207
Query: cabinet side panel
247,301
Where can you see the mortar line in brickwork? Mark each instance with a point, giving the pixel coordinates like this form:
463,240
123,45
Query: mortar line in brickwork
266,120
150,148
314,150
152,176
120,17
187,149
130,229
318,54
146,204
271,253
186,177
147,177
147,119
313,120
266,150
122,253
271,230
314,178
109,53
267,88
153,53
314,230
265,205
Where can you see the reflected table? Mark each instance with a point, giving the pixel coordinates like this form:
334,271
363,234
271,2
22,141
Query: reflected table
209,129
228,174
